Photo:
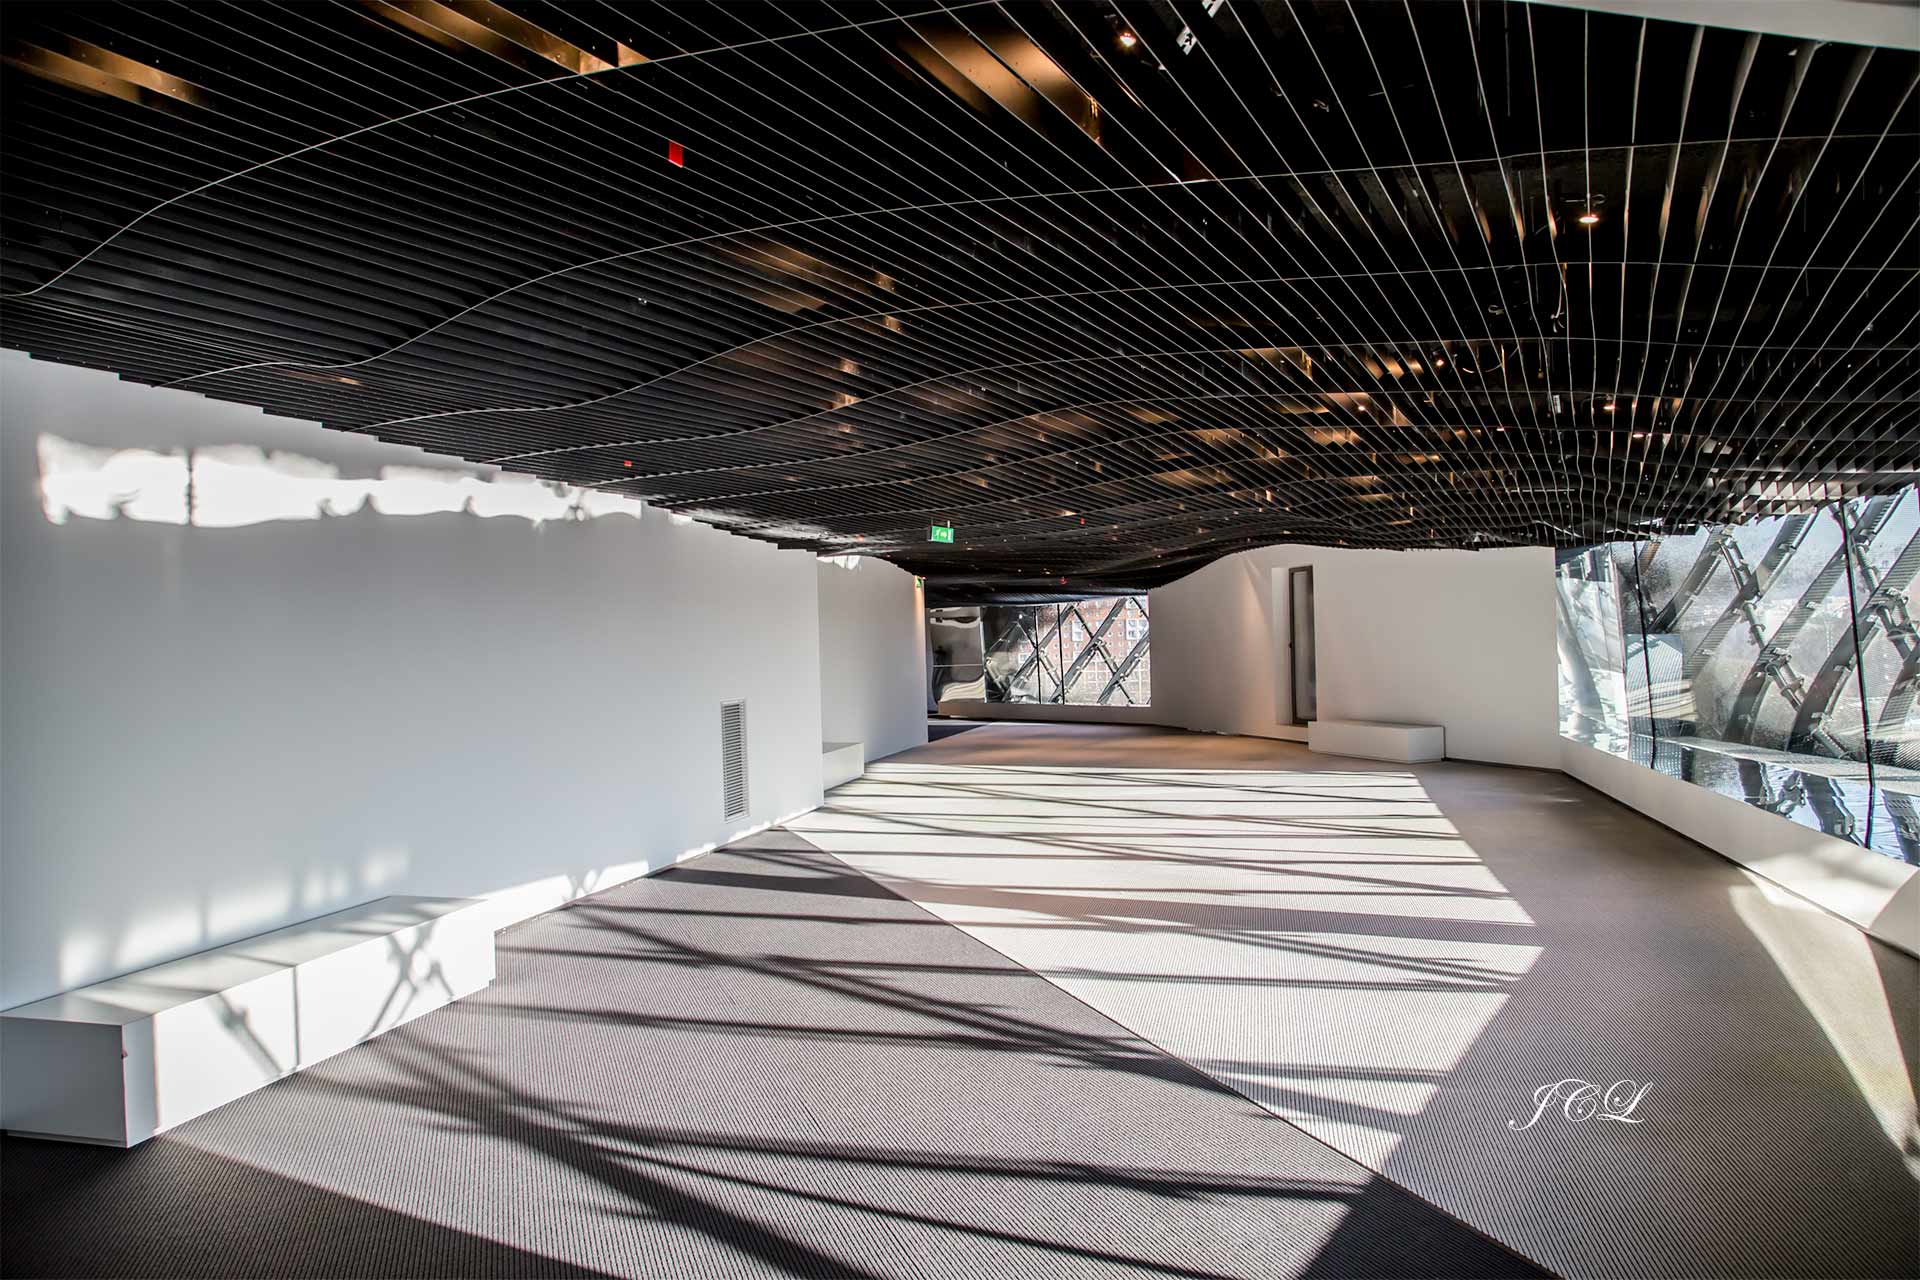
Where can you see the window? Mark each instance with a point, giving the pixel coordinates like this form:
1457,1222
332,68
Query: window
1776,661
1091,652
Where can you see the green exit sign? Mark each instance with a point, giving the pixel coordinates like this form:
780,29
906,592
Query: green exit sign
942,533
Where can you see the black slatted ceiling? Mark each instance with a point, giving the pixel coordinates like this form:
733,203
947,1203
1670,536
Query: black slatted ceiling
1113,288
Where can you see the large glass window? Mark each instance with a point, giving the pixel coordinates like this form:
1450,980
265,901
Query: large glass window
1776,661
1092,652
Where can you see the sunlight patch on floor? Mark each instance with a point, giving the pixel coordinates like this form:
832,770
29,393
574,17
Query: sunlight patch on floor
1823,957
1324,942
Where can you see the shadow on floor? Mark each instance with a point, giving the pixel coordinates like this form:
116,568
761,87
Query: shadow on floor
757,1063
167,1208
1397,960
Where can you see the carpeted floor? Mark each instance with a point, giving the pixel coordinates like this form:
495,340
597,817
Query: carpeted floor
767,1062
757,1063
1396,959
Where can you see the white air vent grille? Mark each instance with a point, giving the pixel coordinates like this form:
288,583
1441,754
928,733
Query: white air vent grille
733,759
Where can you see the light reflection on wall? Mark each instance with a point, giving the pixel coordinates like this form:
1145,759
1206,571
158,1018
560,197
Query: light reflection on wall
101,484
231,486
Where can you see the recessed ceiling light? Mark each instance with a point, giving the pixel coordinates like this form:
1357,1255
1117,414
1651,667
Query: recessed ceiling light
1588,218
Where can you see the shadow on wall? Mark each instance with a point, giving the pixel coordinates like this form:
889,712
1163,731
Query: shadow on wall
230,486
87,955
258,672
92,952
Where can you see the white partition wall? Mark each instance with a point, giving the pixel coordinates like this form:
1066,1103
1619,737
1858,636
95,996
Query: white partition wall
256,671
1459,639
873,647
1219,664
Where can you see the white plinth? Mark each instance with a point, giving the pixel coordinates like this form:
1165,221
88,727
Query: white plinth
1378,740
841,762
124,1059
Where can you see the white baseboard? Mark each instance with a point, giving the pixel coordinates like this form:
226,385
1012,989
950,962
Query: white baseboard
1878,893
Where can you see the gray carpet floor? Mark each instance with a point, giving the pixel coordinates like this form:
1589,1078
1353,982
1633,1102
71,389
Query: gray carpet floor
757,1063
1397,959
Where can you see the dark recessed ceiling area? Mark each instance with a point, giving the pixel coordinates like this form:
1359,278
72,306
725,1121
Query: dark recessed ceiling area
1112,289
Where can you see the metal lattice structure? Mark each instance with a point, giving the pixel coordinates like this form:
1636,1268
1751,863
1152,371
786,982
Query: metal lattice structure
1113,288
1095,652
1081,652
1781,644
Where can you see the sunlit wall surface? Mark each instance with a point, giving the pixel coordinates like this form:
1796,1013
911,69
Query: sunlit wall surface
1776,661
1079,653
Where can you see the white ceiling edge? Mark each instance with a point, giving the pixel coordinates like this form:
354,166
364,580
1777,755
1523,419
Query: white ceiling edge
1892,24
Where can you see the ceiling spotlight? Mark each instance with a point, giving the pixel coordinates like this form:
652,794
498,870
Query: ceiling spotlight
1128,40
1589,218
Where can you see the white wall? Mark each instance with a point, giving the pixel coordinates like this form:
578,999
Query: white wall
873,667
212,729
1456,638
1463,639
1219,648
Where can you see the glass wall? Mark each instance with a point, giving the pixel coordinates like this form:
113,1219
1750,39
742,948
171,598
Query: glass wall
1776,661
1086,653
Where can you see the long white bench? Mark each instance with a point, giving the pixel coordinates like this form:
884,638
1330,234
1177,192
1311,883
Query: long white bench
1378,740
122,1060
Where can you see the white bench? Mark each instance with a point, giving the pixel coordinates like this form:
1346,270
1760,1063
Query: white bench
841,762
122,1060
1378,740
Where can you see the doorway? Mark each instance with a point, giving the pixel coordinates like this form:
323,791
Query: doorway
1300,643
